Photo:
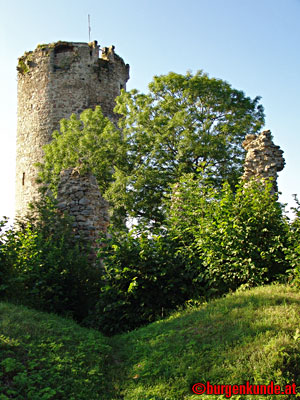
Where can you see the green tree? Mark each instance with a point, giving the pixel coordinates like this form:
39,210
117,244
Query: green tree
91,141
185,121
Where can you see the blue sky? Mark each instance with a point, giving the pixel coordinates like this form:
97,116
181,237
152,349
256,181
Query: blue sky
252,44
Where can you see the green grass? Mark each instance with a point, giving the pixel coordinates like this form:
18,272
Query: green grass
248,336
43,356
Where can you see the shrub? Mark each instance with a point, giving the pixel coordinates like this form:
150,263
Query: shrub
213,242
293,250
4,269
48,268
144,278
240,237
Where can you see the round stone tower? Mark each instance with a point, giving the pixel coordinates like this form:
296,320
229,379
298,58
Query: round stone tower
55,81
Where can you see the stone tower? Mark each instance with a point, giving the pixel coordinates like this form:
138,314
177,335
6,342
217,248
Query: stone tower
54,81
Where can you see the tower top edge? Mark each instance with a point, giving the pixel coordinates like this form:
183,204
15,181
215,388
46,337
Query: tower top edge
92,48
60,43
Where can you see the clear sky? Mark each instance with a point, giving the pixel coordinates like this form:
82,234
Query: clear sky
252,44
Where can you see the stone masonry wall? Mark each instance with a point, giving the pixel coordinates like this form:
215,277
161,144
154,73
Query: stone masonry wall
263,159
55,81
79,196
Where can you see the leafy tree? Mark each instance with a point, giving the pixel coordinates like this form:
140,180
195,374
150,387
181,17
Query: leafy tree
91,141
184,122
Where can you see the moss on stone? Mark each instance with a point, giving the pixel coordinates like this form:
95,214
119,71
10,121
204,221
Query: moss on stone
43,46
23,66
24,63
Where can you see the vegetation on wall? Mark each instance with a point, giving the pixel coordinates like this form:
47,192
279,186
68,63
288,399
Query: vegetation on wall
24,63
23,66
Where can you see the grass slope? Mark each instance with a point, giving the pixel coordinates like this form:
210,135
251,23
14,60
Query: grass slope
252,335
43,357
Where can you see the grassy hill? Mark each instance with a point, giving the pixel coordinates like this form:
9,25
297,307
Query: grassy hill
47,357
248,336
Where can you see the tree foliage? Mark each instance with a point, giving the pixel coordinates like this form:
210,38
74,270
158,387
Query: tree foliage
91,141
144,278
185,121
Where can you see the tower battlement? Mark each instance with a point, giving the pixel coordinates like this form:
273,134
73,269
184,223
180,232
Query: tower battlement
54,81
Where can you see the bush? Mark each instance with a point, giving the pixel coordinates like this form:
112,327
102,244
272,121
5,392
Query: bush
4,270
240,237
144,278
45,267
293,250
213,242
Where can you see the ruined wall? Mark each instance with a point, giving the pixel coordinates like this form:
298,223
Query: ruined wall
263,159
55,81
79,196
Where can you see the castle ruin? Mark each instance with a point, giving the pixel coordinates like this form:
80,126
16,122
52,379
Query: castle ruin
55,81
263,158
64,78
